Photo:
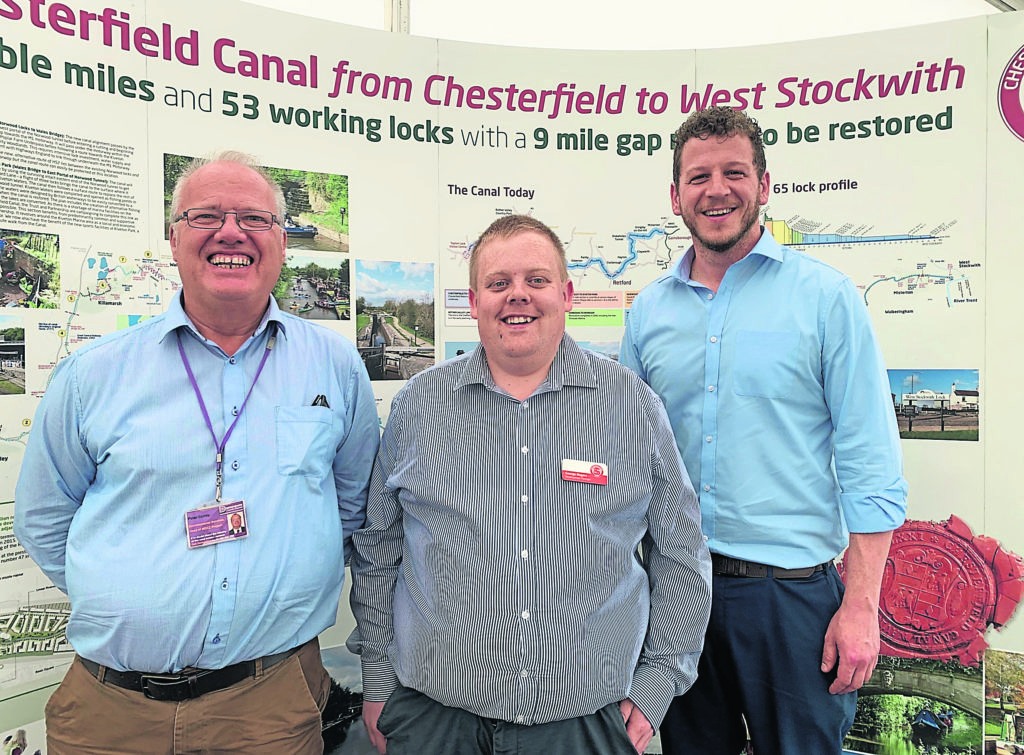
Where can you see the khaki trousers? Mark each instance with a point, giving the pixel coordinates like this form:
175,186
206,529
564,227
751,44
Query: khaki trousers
276,712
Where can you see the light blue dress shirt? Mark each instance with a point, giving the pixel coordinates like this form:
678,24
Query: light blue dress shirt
119,452
779,402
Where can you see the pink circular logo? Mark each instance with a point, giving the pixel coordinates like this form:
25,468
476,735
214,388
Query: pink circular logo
596,470
1010,85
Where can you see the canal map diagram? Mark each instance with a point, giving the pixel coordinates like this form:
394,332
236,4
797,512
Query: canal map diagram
142,283
108,292
14,431
598,259
919,272
631,258
924,271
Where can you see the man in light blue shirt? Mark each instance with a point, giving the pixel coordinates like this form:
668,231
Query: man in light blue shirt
779,402
149,445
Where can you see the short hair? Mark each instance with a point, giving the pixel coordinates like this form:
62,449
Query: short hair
722,122
227,156
508,226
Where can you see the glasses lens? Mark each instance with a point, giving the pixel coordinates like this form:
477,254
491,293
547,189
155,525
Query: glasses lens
205,218
254,220
248,220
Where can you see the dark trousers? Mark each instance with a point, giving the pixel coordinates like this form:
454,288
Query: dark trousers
762,663
415,724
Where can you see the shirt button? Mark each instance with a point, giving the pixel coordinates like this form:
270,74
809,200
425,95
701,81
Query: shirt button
711,389
525,449
224,585
710,297
524,673
520,719
714,339
234,465
525,614
216,640
234,410
525,554
526,498
232,360
708,439
526,404
707,487
705,538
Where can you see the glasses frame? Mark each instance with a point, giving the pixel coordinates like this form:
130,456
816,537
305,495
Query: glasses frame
184,216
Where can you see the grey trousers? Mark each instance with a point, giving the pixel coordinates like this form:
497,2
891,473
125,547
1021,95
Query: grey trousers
414,724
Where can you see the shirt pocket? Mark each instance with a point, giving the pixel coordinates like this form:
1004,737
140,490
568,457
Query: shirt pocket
765,363
305,443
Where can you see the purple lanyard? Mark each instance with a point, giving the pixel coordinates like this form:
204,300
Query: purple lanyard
202,404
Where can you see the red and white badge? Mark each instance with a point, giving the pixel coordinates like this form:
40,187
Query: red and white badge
585,471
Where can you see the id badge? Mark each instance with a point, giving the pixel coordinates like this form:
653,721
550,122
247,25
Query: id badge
592,472
216,523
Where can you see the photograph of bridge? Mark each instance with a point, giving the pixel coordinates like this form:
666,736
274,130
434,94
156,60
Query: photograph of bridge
915,705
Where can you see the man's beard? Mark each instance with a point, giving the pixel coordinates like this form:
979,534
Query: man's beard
749,220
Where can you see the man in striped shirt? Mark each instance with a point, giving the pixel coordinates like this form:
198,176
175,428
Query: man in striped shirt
501,602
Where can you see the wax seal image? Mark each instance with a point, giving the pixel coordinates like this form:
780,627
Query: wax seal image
942,588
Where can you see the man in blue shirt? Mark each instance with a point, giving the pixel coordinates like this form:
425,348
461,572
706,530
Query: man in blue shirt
780,404
149,444
501,603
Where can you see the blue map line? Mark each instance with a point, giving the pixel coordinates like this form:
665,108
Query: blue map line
950,282
633,238
917,276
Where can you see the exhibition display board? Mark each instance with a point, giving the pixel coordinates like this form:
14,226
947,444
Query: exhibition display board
894,156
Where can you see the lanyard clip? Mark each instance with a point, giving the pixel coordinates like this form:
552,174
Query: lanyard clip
220,475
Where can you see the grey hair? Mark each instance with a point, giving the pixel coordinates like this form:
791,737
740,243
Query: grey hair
227,156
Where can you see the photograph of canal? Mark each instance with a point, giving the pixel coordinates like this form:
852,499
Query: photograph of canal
1004,702
918,706
12,355
314,286
934,404
395,318
29,269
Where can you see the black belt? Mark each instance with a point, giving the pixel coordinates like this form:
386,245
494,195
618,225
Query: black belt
735,567
189,684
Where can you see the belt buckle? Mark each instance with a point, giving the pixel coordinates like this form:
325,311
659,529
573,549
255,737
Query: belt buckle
169,687
734,567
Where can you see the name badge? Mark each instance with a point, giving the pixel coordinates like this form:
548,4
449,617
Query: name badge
217,523
585,471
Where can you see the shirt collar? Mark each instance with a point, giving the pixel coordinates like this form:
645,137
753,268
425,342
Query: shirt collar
569,367
175,318
766,246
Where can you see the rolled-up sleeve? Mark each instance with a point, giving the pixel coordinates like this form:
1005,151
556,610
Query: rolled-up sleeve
868,456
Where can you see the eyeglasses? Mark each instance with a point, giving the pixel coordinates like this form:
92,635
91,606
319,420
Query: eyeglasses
211,220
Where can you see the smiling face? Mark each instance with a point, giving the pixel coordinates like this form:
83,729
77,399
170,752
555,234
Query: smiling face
230,272
719,195
519,301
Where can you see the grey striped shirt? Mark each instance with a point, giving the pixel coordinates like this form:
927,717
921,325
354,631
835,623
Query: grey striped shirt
488,582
